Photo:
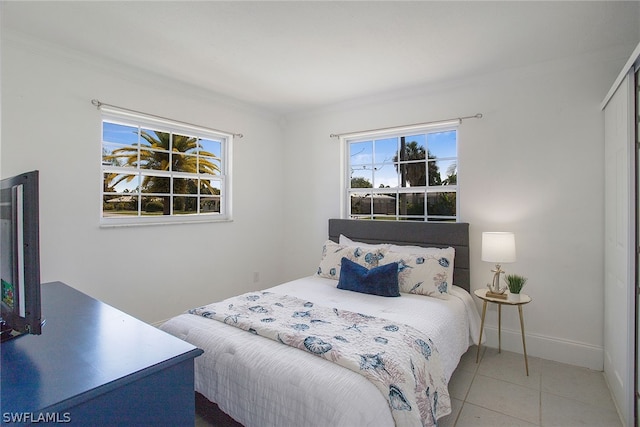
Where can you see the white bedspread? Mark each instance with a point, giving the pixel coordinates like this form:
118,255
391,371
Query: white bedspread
261,382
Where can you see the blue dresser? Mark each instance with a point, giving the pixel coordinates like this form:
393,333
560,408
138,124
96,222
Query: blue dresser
94,365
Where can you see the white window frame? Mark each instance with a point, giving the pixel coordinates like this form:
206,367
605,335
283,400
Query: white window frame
345,184
124,117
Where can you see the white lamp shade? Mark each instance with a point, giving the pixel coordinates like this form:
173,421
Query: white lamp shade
498,247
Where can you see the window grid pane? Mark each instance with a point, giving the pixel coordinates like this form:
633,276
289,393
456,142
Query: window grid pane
150,172
408,177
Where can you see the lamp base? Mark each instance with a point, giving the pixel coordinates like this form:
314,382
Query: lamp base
494,287
494,295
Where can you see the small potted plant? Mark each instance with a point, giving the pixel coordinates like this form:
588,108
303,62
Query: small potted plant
515,284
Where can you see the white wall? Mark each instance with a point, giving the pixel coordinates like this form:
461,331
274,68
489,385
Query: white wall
532,165
151,272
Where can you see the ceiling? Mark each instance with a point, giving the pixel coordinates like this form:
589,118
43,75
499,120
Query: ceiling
294,56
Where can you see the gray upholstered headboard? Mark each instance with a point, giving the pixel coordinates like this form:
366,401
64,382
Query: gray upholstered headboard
426,234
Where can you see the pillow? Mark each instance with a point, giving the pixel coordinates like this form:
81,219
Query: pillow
429,273
344,240
381,281
332,254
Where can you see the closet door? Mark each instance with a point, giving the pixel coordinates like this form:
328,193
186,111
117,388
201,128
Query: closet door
620,254
637,243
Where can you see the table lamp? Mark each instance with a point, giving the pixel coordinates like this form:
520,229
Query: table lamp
498,247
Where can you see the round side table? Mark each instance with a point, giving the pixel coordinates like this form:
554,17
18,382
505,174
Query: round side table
524,299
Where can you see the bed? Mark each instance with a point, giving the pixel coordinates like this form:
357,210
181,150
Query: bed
261,382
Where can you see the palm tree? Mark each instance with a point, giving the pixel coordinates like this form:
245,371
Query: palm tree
416,173
152,158
452,175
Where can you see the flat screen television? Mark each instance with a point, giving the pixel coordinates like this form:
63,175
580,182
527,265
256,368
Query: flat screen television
20,256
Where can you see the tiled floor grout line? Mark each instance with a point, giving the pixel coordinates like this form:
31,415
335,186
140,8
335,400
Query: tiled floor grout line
466,395
540,401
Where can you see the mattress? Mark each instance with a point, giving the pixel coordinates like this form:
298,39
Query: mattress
260,382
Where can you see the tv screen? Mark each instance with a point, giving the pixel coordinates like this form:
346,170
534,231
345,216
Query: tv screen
20,256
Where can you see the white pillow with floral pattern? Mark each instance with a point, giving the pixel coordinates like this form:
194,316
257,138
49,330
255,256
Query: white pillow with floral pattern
428,273
332,254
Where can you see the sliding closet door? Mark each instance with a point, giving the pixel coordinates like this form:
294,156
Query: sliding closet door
619,291
637,243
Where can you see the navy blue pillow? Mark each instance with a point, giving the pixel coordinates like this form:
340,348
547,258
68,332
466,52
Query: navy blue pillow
382,281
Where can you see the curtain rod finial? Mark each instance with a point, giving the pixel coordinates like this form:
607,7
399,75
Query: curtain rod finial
96,103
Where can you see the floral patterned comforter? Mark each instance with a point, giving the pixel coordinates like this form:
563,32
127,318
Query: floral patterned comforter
398,359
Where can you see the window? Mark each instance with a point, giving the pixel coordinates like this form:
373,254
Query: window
402,174
156,171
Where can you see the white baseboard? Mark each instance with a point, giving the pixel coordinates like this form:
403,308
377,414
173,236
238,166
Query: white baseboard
550,348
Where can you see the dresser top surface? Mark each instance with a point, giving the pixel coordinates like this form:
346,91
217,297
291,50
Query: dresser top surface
85,345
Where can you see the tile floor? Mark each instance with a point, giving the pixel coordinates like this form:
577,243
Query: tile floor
497,392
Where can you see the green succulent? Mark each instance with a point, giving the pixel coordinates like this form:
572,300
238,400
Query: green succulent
515,282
